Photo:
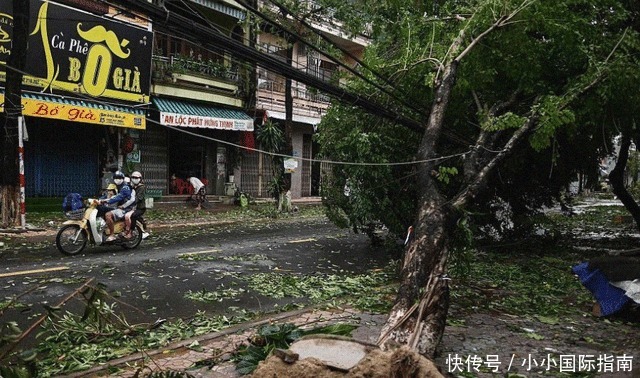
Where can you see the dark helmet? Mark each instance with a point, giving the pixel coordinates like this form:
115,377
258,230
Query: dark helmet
118,175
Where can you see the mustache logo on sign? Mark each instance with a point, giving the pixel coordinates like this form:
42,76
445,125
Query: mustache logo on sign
4,36
99,34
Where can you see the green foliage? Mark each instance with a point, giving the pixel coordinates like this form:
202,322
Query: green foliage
72,342
182,64
213,296
505,121
445,174
552,117
9,333
523,285
15,372
533,276
269,337
539,65
371,291
272,139
19,364
275,185
355,195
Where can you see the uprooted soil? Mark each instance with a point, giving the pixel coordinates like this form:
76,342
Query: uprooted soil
376,364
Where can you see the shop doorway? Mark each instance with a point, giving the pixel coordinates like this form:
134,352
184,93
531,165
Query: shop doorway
61,157
310,170
187,156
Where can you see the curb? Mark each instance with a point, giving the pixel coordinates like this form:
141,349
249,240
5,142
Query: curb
37,234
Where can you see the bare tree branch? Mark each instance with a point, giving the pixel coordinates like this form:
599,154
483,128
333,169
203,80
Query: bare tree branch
473,189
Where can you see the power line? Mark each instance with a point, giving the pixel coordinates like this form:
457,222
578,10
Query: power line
190,29
333,58
450,134
330,162
211,38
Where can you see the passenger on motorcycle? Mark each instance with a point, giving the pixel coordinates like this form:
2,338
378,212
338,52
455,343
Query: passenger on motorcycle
124,201
111,191
132,216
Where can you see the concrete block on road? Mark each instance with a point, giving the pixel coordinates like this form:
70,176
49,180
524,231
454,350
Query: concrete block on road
336,352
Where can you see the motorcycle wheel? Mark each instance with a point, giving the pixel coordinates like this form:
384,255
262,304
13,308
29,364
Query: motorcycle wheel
71,239
135,241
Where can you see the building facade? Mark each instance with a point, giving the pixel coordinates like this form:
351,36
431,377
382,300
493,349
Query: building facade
107,89
198,105
308,105
84,92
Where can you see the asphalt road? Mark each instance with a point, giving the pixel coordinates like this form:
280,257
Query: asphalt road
151,282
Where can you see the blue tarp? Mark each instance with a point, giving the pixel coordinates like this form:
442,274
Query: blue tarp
611,299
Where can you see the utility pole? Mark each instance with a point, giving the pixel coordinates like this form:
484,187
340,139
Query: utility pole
284,202
10,208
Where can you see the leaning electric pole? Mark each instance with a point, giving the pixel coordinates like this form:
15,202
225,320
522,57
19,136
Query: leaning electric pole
10,116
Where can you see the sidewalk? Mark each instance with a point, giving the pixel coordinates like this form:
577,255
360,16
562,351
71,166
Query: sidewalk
219,346
45,230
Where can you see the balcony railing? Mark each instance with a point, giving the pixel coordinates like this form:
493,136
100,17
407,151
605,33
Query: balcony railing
164,66
323,74
306,62
297,91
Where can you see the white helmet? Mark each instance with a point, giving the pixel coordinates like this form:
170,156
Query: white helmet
136,177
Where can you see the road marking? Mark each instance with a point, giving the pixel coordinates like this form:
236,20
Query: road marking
23,272
199,252
302,240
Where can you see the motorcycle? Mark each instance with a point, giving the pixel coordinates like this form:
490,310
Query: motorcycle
84,226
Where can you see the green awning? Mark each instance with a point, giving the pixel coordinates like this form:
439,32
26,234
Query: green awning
190,114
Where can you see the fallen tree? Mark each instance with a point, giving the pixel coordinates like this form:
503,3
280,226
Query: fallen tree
507,85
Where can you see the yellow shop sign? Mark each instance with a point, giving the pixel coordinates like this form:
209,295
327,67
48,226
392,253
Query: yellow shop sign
70,51
80,111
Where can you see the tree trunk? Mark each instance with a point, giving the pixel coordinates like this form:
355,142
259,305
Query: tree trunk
420,311
9,206
419,314
419,319
616,177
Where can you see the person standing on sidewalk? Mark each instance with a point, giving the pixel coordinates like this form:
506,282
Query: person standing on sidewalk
132,217
198,191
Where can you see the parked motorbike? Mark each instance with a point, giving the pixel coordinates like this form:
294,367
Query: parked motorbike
84,226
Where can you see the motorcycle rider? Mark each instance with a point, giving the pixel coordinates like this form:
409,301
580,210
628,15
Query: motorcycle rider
123,200
132,216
